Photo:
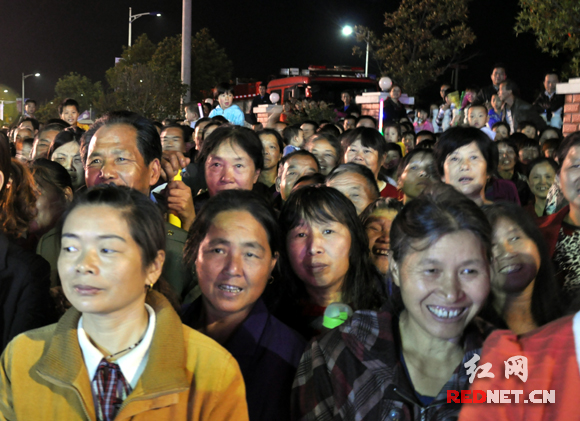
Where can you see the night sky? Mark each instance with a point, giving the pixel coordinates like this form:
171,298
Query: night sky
59,37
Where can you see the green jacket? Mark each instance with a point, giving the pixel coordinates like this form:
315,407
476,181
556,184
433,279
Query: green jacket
174,271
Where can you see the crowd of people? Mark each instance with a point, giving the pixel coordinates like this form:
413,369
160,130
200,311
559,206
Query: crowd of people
217,268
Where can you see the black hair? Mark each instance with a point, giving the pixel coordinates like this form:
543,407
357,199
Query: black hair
425,133
332,140
212,123
351,167
393,147
478,104
66,103
299,152
395,125
388,203
541,160
316,178
407,158
568,143
223,88
242,137
501,123
361,287
368,117
30,101
219,119
54,127
426,144
58,121
312,123
47,172
185,131
510,85
551,129
290,132
329,129
369,138
35,124
457,137
62,138
545,304
274,133
523,124
148,140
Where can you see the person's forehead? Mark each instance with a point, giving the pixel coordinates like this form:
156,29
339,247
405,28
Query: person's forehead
301,161
69,108
172,132
119,136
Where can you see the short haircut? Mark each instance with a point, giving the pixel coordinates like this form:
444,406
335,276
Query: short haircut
510,144
407,158
394,147
243,137
475,105
457,137
523,124
30,101
316,179
386,203
369,138
58,121
274,133
68,102
499,65
185,133
54,127
223,88
332,140
426,144
393,124
510,85
34,122
541,160
148,140
312,123
299,152
290,133
329,128
220,119
425,133
368,117
501,123
351,167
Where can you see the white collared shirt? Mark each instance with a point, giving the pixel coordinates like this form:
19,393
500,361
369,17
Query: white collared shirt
132,364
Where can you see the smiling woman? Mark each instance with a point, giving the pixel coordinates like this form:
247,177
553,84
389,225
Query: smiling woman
122,344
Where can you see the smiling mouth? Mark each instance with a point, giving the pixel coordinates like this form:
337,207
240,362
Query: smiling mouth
380,251
446,312
506,270
230,288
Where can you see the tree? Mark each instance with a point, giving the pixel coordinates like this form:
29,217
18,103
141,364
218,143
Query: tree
556,24
423,39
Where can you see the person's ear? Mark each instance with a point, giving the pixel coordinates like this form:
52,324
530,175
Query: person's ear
395,270
278,184
1,180
154,270
155,172
68,195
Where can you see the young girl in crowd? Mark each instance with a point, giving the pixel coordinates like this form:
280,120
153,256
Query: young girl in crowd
225,96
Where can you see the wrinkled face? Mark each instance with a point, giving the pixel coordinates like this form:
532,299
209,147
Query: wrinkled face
466,169
391,135
308,130
325,153
30,108
507,157
477,117
443,285
550,82
319,254
100,264
172,140
529,131
345,98
272,152
364,155
496,102
498,76
42,144
419,174
70,114
294,168
378,228
69,156
226,100
355,187
395,93
229,167
234,264
501,132
528,154
114,158
516,259
541,179
570,176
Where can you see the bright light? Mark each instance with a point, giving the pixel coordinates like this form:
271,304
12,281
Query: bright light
347,30
5,90
158,14
37,74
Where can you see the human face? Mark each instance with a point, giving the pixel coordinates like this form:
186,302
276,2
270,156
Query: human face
570,176
308,130
226,100
262,90
528,154
345,98
496,102
503,93
30,108
319,254
409,141
229,167
23,153
364,155
70,114
366,122
541,179
199,134
233,264
272,153
42,144
507,157
191,114
498,76
69,156
501,132
443,286
172,140
418,175
516,259
477,117
114,158
100,264
466,169
392,160
326,155
395,93
550,82
378,228
443,89
294,168
349,123
23,133
28,125
355,187
391,135
529,131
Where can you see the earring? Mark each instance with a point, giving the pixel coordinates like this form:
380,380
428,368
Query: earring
149,287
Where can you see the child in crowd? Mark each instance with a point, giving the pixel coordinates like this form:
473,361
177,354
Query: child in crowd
501,130
392,134
529,129
477,117
227,108
293,139
494,113
422,122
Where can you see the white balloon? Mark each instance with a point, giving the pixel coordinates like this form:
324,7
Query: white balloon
385,83
274,98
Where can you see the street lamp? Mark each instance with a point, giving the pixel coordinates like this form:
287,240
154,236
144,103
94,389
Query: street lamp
348,30
133,18
24,77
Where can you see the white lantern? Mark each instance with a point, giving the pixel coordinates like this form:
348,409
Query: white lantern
385,83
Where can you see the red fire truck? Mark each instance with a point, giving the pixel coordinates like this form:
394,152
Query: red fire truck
316,82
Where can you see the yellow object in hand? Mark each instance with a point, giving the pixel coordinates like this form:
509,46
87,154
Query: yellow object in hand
173,219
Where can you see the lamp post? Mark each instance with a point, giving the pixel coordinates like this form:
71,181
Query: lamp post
24,77
133,18
347,31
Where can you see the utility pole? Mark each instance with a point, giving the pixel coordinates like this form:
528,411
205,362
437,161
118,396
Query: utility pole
186,49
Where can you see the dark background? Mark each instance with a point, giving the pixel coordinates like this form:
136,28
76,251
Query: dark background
59,37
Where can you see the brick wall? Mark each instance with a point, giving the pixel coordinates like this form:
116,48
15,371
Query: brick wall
571,114
371,109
